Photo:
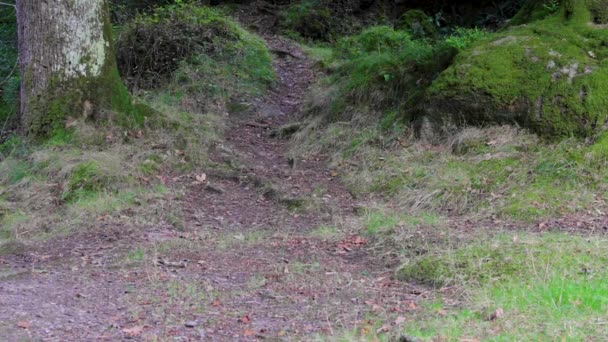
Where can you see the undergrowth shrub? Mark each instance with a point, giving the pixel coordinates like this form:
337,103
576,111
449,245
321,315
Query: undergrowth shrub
310,19
418,24
379,70
153,47
328,20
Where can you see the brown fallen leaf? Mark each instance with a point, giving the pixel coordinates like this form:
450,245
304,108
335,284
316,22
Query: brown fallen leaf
383,329
134,331
359,240
400,320
24,324
216,303
498,313
245,319
248,332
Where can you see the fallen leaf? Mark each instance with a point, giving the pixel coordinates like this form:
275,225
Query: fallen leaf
134,331
201,178
498,313
248,332
245,319
400,320
162,179
216,303
24,324
383,329
359,240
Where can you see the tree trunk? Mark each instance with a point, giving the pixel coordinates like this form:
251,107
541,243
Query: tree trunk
570,10
68,67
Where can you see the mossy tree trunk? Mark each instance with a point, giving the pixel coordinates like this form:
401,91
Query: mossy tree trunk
67,64
569,9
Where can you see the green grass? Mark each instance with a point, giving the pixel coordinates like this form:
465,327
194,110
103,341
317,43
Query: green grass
512,287
550,287
326,232
378,222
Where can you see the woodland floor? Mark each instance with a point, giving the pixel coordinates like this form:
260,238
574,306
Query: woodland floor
244,267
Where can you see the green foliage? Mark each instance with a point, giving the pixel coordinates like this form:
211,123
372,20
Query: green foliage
383,69
463,38
377,39
310,19
551,6
86,179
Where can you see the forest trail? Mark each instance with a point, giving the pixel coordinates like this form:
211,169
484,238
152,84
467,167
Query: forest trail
259,256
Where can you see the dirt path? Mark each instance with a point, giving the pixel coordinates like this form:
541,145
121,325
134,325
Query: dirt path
259,255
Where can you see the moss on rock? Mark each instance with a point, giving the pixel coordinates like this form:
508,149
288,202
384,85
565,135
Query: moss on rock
550,76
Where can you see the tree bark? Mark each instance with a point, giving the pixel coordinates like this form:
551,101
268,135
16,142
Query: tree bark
67,64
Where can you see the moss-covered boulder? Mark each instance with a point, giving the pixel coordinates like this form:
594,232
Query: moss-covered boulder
550,75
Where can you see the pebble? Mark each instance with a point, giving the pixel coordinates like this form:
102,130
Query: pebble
191,324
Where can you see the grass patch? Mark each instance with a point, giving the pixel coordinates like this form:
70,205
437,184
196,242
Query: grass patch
326,233
549,287
500,171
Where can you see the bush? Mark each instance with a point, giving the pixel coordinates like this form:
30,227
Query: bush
153,47
463,38
418,24
382,69
309,19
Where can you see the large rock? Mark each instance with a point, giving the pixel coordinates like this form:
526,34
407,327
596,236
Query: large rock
550,76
